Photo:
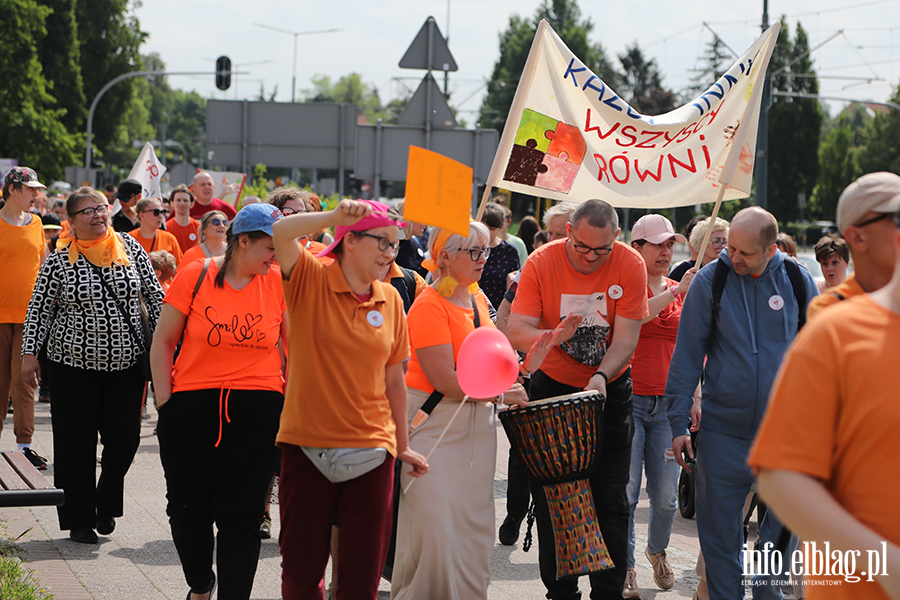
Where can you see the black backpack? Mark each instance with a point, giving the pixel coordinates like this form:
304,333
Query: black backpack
793,271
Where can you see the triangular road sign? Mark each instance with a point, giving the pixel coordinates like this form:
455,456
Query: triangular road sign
416,56
416,110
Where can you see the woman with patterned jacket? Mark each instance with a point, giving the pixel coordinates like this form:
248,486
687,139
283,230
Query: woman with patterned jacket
81,298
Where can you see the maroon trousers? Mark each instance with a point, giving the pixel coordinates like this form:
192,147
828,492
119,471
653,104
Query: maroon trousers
309,505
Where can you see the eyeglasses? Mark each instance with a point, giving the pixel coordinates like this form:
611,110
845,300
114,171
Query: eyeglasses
476,253
290,211
601,251
718,242
874,219
383,242
91,210
217,221
156,212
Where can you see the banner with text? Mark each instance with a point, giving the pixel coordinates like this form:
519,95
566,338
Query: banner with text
149,171
570,137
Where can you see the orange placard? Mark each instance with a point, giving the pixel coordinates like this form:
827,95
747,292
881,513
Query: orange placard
438,191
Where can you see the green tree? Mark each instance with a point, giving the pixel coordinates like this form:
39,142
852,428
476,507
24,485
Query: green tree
59,56
350,89
715,61
642,84
880,141
187,122
32,129
109,40
838,168
794,126
515,42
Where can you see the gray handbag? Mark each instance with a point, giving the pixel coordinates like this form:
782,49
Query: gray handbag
343,464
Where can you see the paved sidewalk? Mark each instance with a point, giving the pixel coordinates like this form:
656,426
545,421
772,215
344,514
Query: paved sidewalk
139,560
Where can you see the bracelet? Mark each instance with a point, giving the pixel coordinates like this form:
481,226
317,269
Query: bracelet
499,400
523,369
673,293
603,375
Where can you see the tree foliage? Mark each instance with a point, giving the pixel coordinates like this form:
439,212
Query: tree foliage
59,55
714,62
32,130
642,84
838,168
515,42
880,141
350,89
794,125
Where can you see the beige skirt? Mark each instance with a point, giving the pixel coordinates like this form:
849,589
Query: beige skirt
445,526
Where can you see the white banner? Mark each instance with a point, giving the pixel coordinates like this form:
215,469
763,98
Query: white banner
228,185
570,137
149,171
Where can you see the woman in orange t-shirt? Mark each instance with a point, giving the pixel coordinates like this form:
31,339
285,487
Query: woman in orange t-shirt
150,234
445,530
220,403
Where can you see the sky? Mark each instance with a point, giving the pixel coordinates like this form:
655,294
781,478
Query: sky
861,63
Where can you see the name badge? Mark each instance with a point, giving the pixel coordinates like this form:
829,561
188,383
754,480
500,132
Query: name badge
615,292
375,318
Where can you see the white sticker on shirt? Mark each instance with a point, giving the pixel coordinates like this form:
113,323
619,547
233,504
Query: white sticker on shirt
615,291
588,345
375,318
776,302
192,237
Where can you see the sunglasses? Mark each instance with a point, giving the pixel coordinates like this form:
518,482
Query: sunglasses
217,221
156,212
875,219
290,211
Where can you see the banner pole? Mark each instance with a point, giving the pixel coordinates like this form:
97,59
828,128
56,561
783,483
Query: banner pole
516,108
712,219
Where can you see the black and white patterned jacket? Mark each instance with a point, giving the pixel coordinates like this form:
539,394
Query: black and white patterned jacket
74,313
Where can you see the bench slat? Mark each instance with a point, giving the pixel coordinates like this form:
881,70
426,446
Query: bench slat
32,498
27,471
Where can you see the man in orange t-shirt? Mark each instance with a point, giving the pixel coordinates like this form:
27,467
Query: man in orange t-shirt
833,479
185,229
602,283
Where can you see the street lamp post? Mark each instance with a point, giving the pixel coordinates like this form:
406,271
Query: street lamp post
296,34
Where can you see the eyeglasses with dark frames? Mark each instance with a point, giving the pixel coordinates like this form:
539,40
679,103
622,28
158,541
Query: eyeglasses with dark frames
476,253
91,210
599,251
383,242
875,219
290,211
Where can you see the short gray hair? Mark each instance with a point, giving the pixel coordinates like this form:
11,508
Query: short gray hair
563,209
479,235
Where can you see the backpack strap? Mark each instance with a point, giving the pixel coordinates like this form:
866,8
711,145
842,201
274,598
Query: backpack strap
718,286
796,277
410,278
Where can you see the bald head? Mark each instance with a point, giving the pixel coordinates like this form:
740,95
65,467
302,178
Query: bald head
755,220
203,188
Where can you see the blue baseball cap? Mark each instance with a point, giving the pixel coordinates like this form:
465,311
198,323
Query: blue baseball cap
255,217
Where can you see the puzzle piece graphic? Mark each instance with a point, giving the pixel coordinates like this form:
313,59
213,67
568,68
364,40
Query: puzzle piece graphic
559,173
532,127
566,139
525,164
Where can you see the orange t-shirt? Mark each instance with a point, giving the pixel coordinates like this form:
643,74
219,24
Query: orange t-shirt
230,336
848,288
193,253
433,321
338,350
549,288
188,236
163,240
21,248
314,248
833,415
650,365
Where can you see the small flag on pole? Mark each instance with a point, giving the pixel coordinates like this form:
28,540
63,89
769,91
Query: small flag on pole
149,171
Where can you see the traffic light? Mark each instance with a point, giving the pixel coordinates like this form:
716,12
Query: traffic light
223,73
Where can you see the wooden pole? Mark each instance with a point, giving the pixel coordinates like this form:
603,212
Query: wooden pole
712,219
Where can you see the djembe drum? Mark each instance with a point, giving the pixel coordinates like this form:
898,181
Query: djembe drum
557,439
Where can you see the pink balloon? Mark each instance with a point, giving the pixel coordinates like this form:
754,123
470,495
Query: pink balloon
486,365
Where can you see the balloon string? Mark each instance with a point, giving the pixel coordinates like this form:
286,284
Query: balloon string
444,432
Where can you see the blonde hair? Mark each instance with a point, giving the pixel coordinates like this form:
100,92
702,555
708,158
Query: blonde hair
700,230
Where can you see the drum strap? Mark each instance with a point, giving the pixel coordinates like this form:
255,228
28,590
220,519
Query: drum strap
437,396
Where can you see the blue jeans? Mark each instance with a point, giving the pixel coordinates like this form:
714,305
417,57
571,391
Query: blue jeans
723,482
652,437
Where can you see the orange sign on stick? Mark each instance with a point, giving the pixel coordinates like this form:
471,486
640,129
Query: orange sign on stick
438,191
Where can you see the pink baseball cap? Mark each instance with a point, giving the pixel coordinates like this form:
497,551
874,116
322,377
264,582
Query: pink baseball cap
656,229
382,216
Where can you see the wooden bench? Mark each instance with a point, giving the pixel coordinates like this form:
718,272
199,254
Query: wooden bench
23,485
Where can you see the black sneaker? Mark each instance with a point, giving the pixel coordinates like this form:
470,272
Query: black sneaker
39,462
509,530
